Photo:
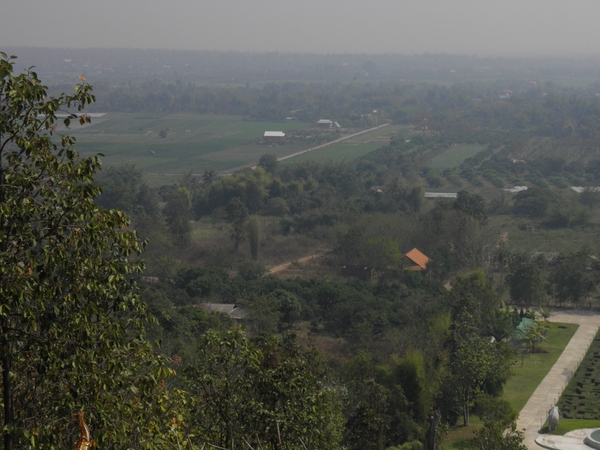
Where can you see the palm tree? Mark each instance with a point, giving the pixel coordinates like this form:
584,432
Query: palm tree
545,312
208,177
500,325
536,333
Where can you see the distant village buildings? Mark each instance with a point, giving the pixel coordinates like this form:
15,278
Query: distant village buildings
326,123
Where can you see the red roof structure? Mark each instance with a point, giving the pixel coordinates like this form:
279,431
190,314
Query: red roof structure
419,260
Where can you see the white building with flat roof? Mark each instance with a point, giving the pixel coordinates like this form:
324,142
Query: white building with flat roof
274,134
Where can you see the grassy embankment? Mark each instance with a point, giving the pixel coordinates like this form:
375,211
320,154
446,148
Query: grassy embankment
524,381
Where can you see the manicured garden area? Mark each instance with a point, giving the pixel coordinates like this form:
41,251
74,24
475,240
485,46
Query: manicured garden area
528,376
581,397
528,372
566,425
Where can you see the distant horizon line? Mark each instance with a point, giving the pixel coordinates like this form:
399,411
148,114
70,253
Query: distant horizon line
494,55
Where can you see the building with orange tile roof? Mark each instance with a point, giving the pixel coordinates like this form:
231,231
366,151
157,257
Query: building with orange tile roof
418,261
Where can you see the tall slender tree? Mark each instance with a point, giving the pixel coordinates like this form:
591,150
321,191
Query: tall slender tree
237,217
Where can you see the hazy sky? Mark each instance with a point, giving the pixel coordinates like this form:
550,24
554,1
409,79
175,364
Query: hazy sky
484,27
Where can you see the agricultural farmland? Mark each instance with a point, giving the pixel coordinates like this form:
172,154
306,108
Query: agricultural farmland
352,148
166,145
455,156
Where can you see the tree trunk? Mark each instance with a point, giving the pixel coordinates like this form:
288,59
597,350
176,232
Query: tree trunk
434,422
7,394
7,398
466,408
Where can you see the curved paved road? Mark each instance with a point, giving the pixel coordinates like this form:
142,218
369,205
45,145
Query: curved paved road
549,390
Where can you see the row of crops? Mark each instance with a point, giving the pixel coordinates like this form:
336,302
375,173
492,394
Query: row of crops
478,163
581,397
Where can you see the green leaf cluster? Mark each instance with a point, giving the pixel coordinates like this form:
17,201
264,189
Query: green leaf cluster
71,322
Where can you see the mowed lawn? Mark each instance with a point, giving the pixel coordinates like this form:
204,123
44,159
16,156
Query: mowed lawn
192,142
524,381
455,156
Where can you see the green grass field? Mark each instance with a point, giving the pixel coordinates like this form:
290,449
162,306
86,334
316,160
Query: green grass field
335,152
566,425
352,148
192,142
455,155
525,379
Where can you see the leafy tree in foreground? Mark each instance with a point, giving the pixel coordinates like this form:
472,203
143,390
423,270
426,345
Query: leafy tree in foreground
496,436
265,393
470,364
71,325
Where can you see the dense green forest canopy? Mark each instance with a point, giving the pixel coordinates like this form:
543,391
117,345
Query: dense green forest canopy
310,361
377,336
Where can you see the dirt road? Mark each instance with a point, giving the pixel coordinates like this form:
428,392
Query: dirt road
286,265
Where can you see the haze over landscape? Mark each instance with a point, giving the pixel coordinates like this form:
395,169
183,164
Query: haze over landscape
299,225
508,27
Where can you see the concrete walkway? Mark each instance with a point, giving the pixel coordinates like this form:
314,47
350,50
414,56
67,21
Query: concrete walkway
533,414
573,440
